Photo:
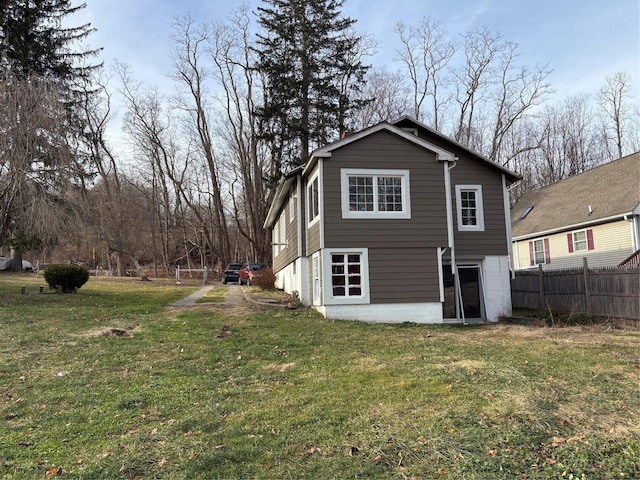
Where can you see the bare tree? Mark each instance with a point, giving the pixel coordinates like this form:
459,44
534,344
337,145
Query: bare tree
426,52
389,94
616,110
192,42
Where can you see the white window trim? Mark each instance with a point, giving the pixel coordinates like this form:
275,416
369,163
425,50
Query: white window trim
292,210
316,275
329,299
316,219
536,252
345,173
575,245
479,208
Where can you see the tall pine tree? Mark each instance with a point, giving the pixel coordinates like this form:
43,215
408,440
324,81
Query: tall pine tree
306,59
34,42
43,78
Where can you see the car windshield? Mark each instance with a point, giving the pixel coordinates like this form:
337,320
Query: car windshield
234,266
257,266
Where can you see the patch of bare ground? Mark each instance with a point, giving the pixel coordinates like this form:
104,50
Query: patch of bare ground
597,334
120,332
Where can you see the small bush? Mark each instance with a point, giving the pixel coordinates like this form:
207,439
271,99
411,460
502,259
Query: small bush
264,279
67,277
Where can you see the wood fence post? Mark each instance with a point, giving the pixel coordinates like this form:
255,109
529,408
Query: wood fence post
541,287
587,291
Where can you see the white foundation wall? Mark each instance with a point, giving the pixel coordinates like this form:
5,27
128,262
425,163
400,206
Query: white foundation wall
385,313
497,287
293,278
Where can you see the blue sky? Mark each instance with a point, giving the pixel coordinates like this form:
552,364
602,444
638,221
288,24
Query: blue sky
582,40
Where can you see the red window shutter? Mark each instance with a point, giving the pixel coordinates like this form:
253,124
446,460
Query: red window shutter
570,242
532,256
590,239
547,253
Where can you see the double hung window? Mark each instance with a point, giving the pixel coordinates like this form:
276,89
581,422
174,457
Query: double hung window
469,207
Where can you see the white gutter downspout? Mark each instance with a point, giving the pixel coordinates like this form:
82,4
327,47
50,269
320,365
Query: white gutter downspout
507,222
448,165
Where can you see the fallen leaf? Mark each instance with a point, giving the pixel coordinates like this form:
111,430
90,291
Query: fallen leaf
53,471
575,439
551,461
442,471
163,463
132,431
557,441
422,440
564,422
378,458
492,453
154,431
26,444
353,451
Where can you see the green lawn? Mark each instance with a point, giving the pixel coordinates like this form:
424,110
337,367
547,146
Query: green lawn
112,383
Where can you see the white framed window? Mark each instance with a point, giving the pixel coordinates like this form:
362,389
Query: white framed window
292,208
580,241
375,193
279,234
313,199
469,207
315,274
539,252
346,280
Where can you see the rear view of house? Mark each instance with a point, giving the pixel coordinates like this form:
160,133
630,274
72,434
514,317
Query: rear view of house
593,215
395,223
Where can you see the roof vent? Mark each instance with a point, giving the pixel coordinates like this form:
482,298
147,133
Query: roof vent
590,210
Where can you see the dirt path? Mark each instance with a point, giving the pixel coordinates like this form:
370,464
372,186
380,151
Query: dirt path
234,296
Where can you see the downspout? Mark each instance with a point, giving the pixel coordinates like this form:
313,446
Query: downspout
448,166
507,224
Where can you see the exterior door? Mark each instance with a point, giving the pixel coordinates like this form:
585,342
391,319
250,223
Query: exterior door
470,291
463,295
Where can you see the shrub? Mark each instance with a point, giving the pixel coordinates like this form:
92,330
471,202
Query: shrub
67,277
264,279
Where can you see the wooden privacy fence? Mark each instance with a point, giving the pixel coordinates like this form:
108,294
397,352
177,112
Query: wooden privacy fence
607,292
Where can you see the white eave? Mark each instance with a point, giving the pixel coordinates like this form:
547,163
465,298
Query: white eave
326,151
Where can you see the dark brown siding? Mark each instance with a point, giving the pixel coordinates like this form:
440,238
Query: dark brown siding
493,240
408,275
402,252
427,226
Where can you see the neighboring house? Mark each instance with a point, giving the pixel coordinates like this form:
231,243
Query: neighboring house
374,226
594,214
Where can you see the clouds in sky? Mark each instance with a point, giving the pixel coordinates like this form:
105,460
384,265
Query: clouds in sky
583,41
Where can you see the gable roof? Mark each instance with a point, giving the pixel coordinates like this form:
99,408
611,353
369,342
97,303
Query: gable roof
611,191
442,154
410,121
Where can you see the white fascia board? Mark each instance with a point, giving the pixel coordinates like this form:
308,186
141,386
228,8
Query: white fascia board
324,152
575,226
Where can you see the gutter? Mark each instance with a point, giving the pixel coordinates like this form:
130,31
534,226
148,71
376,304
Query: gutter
620,216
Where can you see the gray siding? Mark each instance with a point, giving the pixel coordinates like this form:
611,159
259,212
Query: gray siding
408,275
427,226
493,240
402,252
290,252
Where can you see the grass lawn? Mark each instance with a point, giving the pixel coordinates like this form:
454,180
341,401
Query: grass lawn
112,383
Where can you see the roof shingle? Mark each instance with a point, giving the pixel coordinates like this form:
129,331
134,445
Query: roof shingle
602,192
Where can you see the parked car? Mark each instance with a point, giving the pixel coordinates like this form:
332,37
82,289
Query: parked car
231,273
249,271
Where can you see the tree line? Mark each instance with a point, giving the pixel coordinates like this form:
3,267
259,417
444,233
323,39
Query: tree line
191,178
